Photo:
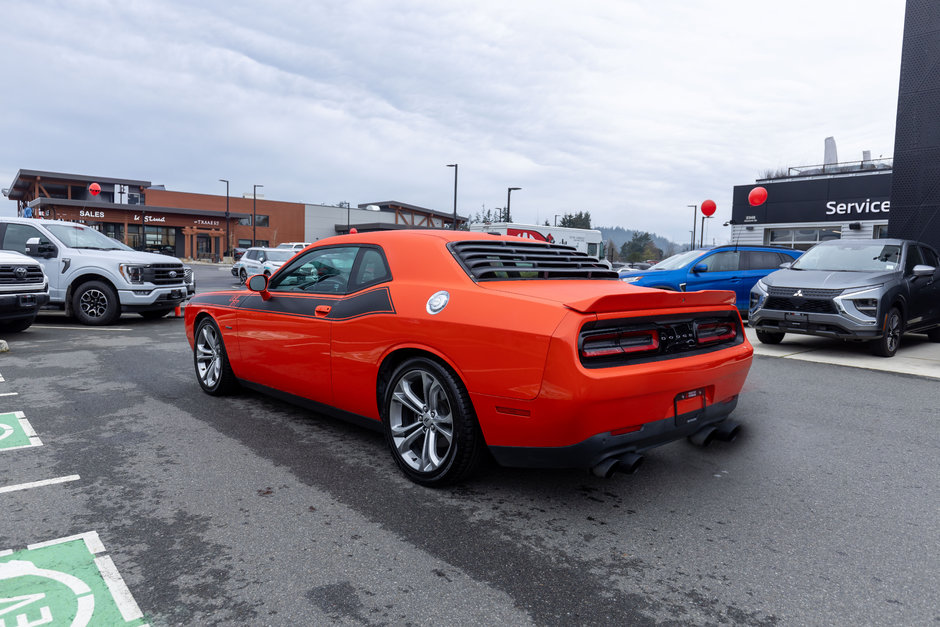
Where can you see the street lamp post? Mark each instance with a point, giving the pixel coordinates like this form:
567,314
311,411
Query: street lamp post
509,191
556,218
694,211
454,166
254,214
228,236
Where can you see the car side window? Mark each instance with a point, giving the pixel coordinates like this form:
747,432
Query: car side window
759,260
726,261
17,234
930,257
371,269
913,259
320,271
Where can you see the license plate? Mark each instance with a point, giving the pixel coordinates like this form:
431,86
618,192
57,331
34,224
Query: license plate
689,406
796,317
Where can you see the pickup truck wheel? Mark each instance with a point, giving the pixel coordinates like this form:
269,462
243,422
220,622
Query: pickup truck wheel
15,326
213,370
887,344
95,303
769,337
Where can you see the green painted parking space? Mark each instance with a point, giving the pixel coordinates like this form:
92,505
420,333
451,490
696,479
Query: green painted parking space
68,581
16,432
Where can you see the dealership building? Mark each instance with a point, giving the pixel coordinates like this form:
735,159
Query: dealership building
813,204
200,226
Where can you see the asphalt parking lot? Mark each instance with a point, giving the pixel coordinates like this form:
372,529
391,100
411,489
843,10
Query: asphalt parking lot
204,510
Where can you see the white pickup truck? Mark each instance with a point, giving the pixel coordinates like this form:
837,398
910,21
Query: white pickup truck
23,290
95,278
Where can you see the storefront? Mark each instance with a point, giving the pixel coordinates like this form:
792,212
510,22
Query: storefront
803,210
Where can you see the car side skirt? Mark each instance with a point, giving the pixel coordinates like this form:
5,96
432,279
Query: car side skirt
319,408
595,449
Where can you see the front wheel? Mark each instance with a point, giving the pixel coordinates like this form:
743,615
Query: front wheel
213,370
95,303
887,344
769,337
430,425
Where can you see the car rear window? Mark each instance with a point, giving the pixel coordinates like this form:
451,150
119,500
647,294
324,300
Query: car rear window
501,260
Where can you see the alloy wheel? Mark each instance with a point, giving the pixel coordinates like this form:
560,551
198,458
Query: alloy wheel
421,421
208,356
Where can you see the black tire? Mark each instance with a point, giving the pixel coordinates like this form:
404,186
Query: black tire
95,303
887,345
934,334
242,276
418,418
213,370
15,326
156,313
769,337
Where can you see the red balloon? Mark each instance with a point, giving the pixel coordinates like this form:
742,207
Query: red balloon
708,208
757,196
95,189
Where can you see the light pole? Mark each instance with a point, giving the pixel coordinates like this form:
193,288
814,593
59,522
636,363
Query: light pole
694,211
228,237
454,166
509,191
254,214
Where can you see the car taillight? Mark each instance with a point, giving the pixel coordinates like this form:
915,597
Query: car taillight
619,342
709,332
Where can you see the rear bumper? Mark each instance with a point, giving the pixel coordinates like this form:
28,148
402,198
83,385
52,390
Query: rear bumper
595,449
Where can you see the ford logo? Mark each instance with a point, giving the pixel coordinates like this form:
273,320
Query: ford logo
172,274
20,272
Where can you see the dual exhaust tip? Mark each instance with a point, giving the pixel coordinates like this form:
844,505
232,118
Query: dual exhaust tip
629,463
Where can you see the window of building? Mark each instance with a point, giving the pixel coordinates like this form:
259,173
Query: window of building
245,221
261,242
801,239
244,243
261,221
880,231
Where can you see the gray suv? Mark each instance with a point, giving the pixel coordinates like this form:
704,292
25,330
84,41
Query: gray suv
854,290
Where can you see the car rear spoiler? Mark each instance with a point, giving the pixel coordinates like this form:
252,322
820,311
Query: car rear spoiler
653,299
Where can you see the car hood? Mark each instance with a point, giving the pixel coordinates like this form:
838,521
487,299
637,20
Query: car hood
610,296
125,256
826,279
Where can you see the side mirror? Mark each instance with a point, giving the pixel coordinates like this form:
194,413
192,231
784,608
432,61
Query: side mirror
35,249
786,264
259,283
699,268
920,270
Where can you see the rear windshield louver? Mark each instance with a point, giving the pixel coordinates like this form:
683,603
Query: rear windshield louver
502,260
618,342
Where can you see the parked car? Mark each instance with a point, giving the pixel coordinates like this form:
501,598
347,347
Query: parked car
23,290
734,268
259,260
873,290
237,253
93,277
456,343
294,245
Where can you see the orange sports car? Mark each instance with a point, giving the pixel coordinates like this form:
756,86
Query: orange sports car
460,344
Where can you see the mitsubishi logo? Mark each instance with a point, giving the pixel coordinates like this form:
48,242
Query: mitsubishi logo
799,293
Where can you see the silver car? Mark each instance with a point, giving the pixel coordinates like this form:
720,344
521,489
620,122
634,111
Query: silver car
872,290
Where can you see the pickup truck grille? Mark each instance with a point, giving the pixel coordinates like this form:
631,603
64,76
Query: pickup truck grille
17,274
164,274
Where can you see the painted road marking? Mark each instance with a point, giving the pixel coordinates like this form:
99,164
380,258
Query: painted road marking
38,484
50,326
65,582
9,394
16,432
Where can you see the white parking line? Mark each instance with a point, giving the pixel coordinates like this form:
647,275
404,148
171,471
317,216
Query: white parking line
122,596
52,326
9,394
38,484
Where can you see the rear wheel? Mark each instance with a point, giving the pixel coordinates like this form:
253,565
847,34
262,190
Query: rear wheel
242,275
213,370
430,425
769,337
887,344
95,303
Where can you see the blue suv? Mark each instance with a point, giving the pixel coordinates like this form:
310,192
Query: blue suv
733,268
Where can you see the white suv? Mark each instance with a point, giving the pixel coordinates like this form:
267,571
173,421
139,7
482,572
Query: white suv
93,277
260,260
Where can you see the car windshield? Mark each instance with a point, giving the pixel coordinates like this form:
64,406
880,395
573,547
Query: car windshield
874,257
280,255
677,261
77,236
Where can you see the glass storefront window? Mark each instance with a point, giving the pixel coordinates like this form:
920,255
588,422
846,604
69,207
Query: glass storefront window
801,239
880,231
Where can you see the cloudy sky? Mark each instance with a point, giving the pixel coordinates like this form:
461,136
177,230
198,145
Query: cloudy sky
629,109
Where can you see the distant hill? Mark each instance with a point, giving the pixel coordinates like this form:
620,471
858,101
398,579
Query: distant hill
619,236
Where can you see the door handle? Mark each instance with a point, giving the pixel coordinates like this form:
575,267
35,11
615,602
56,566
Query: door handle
322,311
